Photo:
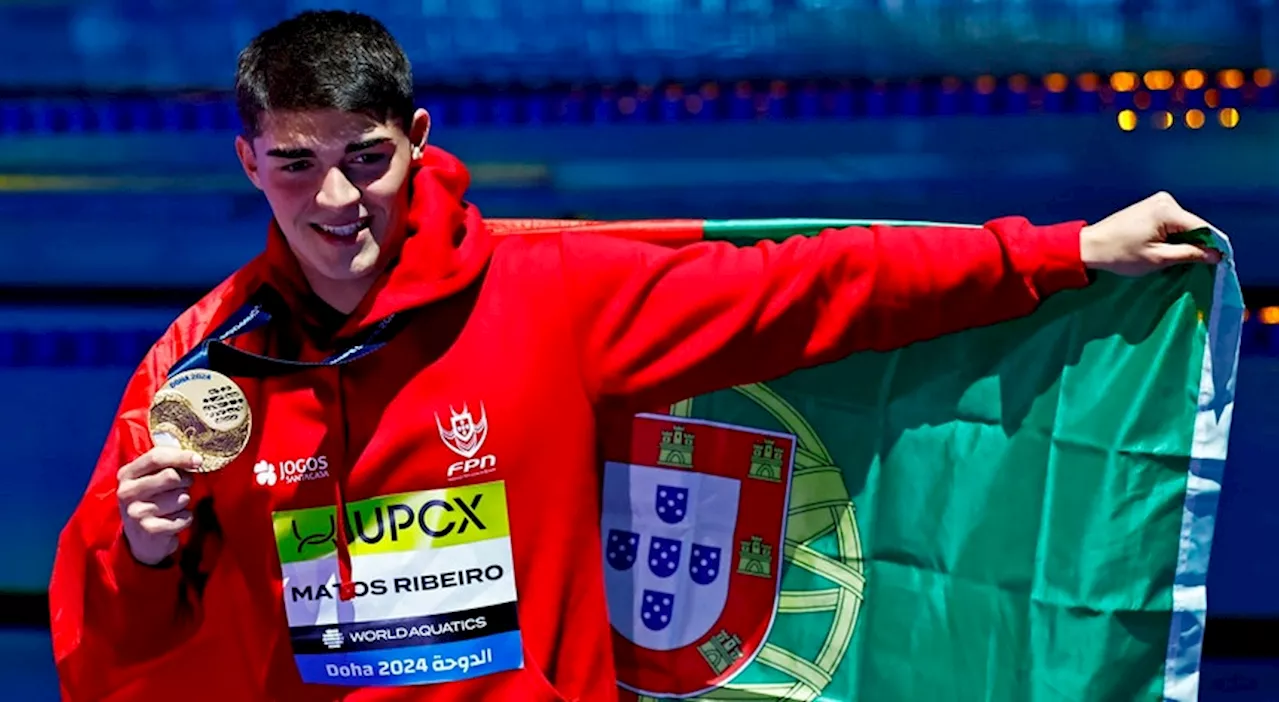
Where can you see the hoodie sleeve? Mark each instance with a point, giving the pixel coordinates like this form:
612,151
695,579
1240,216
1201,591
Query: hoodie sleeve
657,325
111,615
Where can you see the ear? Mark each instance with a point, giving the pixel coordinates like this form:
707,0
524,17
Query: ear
248,160
419,129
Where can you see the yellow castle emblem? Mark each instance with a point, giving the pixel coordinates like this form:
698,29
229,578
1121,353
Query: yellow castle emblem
676,449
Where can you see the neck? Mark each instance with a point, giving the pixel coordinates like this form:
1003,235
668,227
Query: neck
342,295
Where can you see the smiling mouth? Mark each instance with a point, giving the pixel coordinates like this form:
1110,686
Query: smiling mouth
343,231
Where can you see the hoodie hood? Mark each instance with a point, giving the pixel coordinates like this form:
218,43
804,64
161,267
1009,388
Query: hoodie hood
441,249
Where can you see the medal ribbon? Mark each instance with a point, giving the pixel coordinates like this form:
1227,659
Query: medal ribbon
256,314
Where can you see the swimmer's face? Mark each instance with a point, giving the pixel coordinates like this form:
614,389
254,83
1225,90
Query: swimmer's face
337,183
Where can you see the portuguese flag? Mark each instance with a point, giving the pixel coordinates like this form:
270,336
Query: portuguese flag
1021,512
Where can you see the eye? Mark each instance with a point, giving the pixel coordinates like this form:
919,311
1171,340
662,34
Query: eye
370,158
296,166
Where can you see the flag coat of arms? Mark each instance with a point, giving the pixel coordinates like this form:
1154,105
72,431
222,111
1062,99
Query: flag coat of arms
1021,512
691,582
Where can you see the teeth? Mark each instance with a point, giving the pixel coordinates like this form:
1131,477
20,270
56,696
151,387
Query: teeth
344,230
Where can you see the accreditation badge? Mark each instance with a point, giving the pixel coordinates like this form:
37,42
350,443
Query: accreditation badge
435,589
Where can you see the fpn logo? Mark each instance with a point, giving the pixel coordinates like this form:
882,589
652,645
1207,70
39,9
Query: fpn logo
465,437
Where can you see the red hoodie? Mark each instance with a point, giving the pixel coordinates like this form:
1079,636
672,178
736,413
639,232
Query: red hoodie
473,434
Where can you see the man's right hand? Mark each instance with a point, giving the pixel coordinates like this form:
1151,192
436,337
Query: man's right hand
154,501
1134,241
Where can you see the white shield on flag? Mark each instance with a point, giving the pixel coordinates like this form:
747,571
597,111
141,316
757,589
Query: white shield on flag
668,540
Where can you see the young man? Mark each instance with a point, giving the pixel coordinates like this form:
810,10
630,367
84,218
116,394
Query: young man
241,583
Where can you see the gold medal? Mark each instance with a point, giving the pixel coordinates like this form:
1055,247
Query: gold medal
202,411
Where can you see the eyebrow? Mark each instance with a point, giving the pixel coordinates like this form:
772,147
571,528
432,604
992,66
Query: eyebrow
308,153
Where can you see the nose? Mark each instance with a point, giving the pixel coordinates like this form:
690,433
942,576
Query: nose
337,191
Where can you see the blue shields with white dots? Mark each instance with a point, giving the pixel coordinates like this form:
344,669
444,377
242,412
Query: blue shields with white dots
656,611
664,556
620,549
671,503
704,564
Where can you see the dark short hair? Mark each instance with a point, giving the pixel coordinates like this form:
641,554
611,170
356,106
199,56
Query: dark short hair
321,60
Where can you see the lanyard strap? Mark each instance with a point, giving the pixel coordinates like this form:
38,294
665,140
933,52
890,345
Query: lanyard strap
215,351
